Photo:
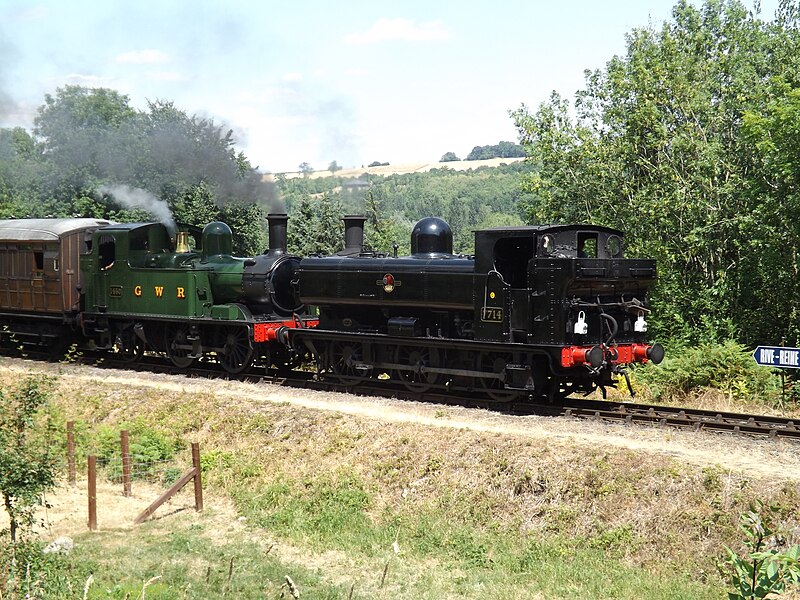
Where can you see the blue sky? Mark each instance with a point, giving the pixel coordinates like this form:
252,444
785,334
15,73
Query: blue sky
313,81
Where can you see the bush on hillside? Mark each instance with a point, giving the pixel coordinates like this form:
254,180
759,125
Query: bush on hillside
728,367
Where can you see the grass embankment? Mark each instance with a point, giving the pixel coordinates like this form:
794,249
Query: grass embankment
324,496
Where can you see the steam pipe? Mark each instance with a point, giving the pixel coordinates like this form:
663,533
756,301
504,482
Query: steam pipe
613,327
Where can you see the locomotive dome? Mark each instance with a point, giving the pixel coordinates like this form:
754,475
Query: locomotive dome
217,239
431,236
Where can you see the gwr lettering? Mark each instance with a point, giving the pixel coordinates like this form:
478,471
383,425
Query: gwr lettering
159,289
181,293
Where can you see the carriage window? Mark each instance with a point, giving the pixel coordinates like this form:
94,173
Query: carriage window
587,245
38,257
106,251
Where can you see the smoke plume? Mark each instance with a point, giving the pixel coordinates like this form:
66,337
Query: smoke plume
7,104
138,198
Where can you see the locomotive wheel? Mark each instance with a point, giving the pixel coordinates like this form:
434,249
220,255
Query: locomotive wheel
418,358
178,334
238,350
128,347
343,358
493,362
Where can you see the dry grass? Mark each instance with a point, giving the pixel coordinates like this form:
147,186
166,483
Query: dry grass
400,169
647,497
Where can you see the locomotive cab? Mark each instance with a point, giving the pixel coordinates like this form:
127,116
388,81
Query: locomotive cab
535,284
501,282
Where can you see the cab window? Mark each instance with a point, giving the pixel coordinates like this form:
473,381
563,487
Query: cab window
106,251
587,245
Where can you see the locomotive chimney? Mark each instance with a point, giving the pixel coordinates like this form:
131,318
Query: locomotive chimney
277,233
353,234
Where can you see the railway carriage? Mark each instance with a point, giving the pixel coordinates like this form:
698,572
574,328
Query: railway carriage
40,279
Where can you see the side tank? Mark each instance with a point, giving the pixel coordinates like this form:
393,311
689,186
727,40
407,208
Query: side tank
431,278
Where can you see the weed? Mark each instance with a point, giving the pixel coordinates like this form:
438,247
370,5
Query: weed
766,568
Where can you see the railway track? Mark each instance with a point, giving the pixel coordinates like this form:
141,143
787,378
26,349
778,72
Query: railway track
624,412
579,408
671,416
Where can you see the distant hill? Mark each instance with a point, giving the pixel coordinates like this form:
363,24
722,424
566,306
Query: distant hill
459,165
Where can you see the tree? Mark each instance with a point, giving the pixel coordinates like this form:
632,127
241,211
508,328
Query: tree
306,169
658,144
449,157
247,223
501,150
393,203
27,461
90,134
316,226
333,167
88,137
383,231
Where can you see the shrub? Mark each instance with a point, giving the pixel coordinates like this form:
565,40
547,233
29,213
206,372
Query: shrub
149,450
27,460
767,567
728,367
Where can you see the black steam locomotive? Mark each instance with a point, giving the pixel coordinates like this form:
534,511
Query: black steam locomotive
540,311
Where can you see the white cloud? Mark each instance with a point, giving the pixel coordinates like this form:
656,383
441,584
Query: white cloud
20,14
290,77
166,76
404,30
143,57
86,80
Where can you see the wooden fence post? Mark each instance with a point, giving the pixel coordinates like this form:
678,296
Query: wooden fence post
92,487
71,451
198,484
126,464
193,473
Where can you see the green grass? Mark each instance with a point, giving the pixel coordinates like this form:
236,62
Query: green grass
452,549
186,566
